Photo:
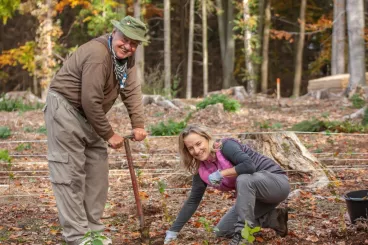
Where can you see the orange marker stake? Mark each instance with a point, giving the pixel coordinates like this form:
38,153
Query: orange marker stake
278,88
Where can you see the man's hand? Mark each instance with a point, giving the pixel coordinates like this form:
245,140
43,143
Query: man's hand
116,141
170,236
139,134
215,178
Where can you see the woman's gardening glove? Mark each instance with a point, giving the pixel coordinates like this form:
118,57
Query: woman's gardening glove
215,178
170,236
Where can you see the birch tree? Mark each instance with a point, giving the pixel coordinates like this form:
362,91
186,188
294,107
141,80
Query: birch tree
299,52
266,40
190,50
248,50
355,23
225,17
338,38
204,47
139,54
167,51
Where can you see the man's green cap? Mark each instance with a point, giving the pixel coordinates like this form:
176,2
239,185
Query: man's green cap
132,28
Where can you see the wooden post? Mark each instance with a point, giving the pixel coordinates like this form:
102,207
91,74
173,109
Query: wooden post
278,88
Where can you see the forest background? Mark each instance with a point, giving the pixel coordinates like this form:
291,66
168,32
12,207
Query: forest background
191,51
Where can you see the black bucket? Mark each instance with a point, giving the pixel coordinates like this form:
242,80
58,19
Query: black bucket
357,204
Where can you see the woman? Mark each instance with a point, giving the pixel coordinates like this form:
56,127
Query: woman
260,184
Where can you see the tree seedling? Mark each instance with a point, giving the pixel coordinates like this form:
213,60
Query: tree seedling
208,227
94,238
161,188
247,232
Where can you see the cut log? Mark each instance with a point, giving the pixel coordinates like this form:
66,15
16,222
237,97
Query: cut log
158,100
334,84
322,94
288,151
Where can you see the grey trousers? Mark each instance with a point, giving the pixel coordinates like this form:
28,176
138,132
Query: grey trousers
258,195
77,159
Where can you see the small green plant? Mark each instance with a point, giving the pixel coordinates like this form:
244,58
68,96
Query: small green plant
277,125
247,232
358,102
28,129
228,103
158,114
208,227
42,130
22,147
365,117
5,132
139,174
94,238
161,185
325,114
313,125
169,128
4,156
318,150
264,125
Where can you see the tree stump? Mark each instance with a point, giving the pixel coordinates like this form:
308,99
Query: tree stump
289,152
237,92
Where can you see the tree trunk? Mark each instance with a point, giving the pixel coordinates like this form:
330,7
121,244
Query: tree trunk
204,46
139,54
183,41
338,39
190,50
221,20
225,18
45,45
230,46
167,51
260,23
248,51
289,152
355,21
299,52
266,40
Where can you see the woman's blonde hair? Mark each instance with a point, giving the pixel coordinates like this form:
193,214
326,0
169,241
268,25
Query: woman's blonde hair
189,162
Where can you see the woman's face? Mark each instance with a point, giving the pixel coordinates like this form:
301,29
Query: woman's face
123,46
198,146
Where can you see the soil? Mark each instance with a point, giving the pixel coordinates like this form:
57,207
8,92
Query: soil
28,213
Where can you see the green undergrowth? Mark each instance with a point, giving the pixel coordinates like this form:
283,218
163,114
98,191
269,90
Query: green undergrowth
229,104
17,105
316,125
5,132
170,127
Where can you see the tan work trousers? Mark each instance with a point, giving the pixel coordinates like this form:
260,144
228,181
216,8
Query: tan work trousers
78,167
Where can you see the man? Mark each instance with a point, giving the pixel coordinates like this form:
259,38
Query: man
80,95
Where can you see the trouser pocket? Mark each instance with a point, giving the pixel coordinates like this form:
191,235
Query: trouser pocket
59,167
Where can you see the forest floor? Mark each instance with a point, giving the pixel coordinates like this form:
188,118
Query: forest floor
28,214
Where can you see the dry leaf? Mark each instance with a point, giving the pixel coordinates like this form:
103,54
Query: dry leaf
143,195
312,238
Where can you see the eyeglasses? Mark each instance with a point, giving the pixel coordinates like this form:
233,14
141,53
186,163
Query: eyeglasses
131,42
